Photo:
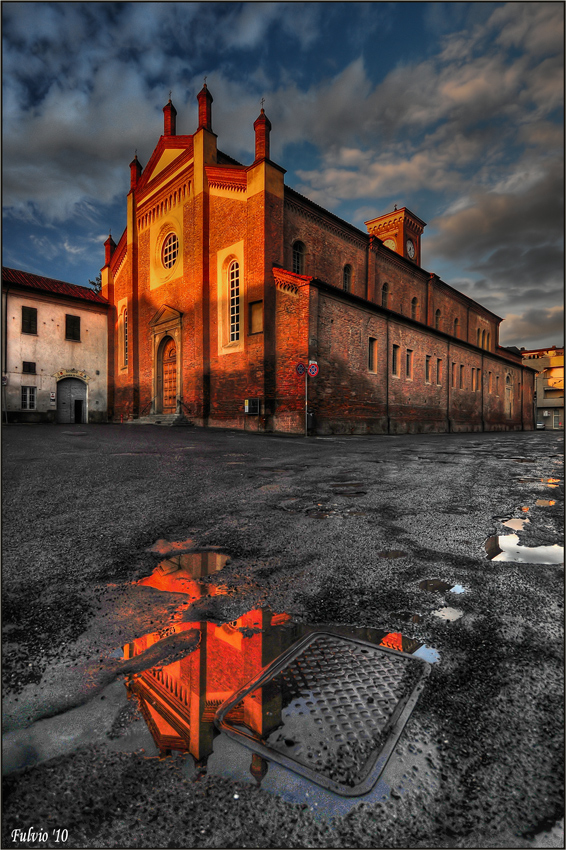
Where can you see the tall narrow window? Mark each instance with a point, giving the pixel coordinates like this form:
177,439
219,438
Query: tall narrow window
29,320
488,346
483,339
234,279
256,317
125,332
347,279
409,364
414,308
73,328
479,338
437,320
456,327
395,361
497,384
453,374
478,380
372,354
299,252
473,380
28,398
385,295
461,377
490,382
439,371
427,368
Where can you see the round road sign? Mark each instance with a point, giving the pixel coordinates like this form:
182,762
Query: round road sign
313,370
300,369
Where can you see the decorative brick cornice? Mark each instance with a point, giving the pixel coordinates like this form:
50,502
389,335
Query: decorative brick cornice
119,255
226,177
289,281
321,219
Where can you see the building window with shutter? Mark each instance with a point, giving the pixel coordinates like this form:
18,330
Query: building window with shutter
395,361
347,278
372,354
28,368
29,320
256,317
28,398
73,328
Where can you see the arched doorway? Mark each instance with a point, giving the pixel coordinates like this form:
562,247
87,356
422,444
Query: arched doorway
71,401
168,376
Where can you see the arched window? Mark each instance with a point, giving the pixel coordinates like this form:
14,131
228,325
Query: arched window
385,295
479,338
437,320
414,308
483,339
234,283
456,327
488,341
299,252
125,336
347,279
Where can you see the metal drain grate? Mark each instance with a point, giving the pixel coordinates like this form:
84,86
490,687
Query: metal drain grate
330,708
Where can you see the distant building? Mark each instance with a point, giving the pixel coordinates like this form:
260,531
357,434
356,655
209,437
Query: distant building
549,384
54,350
226,284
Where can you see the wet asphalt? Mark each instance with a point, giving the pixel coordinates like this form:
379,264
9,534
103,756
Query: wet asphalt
336,532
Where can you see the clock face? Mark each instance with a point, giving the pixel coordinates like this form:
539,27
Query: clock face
389,243
410,249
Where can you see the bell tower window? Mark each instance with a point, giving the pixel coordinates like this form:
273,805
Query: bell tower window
234,281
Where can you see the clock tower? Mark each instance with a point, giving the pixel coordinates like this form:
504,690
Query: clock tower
400,231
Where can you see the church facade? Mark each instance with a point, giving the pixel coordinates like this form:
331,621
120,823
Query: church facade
227,285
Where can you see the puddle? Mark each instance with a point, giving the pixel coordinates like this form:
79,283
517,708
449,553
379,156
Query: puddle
517,524
507,548
408,617
436,584
449,614
180,701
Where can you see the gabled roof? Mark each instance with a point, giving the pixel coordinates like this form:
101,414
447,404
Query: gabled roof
49,284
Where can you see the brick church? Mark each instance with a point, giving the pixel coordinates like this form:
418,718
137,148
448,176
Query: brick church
226,284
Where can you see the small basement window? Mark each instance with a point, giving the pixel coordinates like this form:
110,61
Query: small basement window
28,367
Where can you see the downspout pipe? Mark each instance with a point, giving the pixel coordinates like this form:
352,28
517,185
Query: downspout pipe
387,367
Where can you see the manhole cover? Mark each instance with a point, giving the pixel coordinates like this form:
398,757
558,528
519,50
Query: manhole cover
330,708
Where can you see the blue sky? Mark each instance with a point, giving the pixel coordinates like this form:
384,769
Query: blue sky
454,110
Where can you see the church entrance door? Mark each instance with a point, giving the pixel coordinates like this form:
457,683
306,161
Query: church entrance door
169,382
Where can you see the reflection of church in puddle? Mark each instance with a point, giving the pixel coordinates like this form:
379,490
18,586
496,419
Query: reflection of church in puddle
179,701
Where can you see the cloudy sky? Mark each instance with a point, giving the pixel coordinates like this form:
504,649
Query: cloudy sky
454,110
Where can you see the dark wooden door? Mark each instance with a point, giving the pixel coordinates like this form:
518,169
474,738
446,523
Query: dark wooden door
170,377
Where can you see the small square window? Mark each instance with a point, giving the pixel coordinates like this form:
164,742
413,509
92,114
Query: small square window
73,328
256,317
28,367
29,320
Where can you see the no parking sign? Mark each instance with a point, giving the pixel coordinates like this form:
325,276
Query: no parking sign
313,370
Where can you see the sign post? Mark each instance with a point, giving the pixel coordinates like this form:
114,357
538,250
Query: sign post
311,371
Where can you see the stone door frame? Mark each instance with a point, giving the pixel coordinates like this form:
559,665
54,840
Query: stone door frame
166,323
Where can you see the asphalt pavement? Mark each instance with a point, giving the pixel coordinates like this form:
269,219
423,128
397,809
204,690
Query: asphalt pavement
361,536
